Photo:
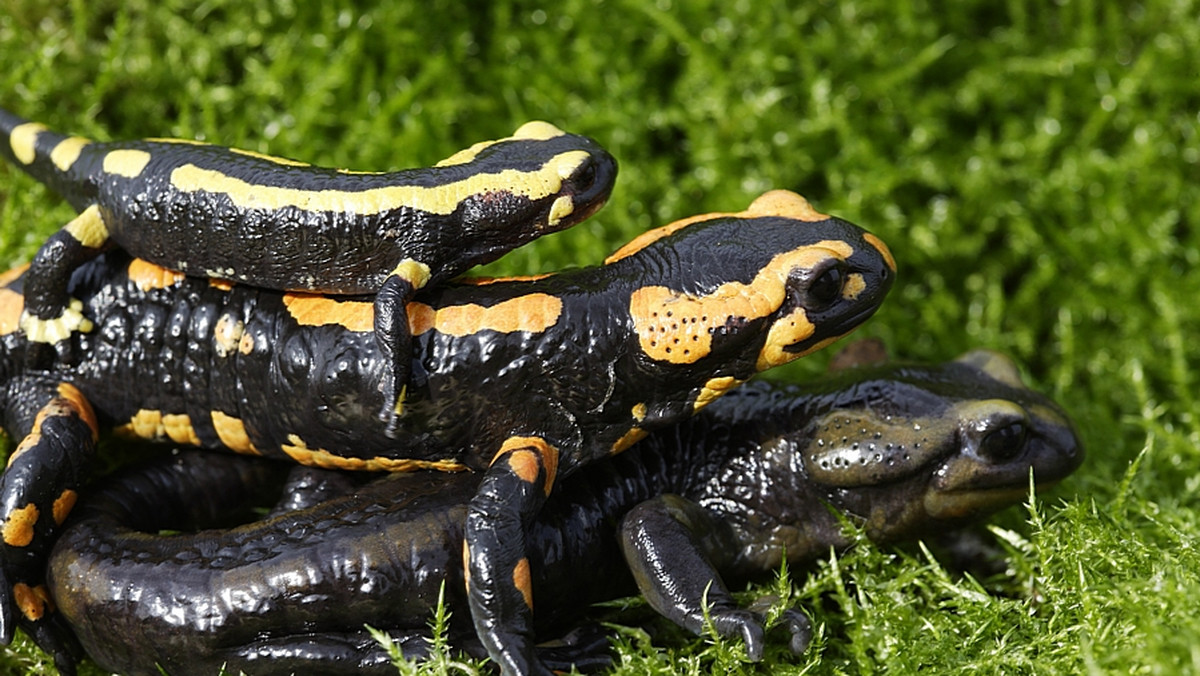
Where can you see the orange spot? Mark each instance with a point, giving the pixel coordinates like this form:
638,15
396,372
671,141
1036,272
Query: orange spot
222,284
466,565
531,313
63,506
33,602
12,304
18,527
883,250
788,330
525,465
527,454
178,427
147,275
312,310
523,581
232,432
712,389
81,405
32,439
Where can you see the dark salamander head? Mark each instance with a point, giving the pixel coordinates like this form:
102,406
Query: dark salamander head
907,450
772,283
538,181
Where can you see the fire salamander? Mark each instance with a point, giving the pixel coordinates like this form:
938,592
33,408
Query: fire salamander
523,381
238,215
763,473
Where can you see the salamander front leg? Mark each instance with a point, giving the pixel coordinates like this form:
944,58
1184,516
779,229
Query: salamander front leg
499,584
37,492
50,315
674,549
394,336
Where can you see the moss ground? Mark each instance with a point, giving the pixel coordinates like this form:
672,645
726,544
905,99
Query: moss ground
1033,165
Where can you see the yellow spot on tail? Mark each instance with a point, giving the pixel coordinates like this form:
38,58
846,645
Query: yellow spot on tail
126,162
441,199
678,328
23,141
523,581
299,451
269,158
312,310
147,275
639,412
531,313
12,305
883,250
67,152
414,272
530,131
781,203
88,228
18,527
63,505
712,389
33,602
232,432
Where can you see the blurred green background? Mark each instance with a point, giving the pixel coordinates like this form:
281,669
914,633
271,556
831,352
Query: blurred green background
1034,166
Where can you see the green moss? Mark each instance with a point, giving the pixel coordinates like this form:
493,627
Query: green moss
1033,166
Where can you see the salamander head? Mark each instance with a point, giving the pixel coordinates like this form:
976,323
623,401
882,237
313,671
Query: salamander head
538,181
771,284
907,450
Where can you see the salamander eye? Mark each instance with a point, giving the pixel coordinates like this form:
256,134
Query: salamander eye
585,177
1004,443
826,287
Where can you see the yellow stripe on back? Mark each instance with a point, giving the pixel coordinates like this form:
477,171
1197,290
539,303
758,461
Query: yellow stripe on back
442,200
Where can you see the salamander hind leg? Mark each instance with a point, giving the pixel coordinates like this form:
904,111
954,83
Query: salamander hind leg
58,434
499,581
394,335
50,315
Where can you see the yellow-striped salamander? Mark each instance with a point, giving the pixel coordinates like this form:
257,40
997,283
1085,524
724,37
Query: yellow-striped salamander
523,381
763,474
273,222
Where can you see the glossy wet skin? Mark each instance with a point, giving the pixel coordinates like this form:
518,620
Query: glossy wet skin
761,466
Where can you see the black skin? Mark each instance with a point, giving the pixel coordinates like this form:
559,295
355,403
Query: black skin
687,512
351,250
521,407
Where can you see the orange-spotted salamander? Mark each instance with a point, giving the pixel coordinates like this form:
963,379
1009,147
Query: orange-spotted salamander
267,221
522,381
765,473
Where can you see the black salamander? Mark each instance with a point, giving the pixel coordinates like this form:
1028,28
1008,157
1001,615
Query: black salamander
901,450
523,381
238,215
